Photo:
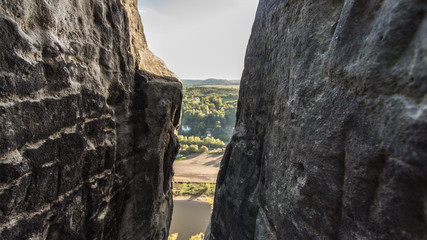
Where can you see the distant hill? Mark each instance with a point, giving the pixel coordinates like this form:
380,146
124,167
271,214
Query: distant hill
210,81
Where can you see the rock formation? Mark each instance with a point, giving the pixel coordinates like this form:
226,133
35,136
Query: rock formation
88,119
331,133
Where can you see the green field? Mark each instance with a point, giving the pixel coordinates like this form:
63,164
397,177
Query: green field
194,189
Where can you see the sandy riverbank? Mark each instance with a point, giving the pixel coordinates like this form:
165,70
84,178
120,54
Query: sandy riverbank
200,167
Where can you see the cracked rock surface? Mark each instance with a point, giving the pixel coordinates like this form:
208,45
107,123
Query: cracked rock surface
331,133
88,119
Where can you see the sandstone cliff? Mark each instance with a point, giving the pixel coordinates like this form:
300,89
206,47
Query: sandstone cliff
331,132
88,119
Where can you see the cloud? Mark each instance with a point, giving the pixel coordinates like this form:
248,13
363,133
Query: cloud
199,38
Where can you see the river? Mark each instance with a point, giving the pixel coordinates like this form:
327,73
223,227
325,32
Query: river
189,218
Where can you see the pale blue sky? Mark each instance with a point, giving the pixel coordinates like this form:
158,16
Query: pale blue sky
199,39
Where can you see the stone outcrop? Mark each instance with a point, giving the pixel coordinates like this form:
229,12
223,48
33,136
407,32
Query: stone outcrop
331,133
88,119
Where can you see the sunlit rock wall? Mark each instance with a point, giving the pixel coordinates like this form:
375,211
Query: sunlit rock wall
331,132
88,119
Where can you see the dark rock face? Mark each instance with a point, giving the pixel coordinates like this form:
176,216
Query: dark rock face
331,136
88,119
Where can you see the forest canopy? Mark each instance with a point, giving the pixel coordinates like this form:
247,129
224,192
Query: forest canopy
209,110
209,115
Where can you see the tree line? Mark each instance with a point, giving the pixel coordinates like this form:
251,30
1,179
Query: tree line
193,144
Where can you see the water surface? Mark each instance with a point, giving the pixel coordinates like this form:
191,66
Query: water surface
189,218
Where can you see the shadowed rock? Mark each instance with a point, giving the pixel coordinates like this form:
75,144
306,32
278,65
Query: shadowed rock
331,133
88,119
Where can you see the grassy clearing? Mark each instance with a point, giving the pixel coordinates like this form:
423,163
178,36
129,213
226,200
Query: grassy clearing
194,189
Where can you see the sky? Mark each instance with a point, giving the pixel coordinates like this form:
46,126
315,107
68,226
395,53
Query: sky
199,39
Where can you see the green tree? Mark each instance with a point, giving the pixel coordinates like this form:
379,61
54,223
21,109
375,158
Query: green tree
199,236
173,236
204,149
193,148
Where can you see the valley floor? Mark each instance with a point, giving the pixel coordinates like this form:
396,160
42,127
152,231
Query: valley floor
200,167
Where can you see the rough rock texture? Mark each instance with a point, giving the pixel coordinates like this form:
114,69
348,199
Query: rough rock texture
331,136
88,119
